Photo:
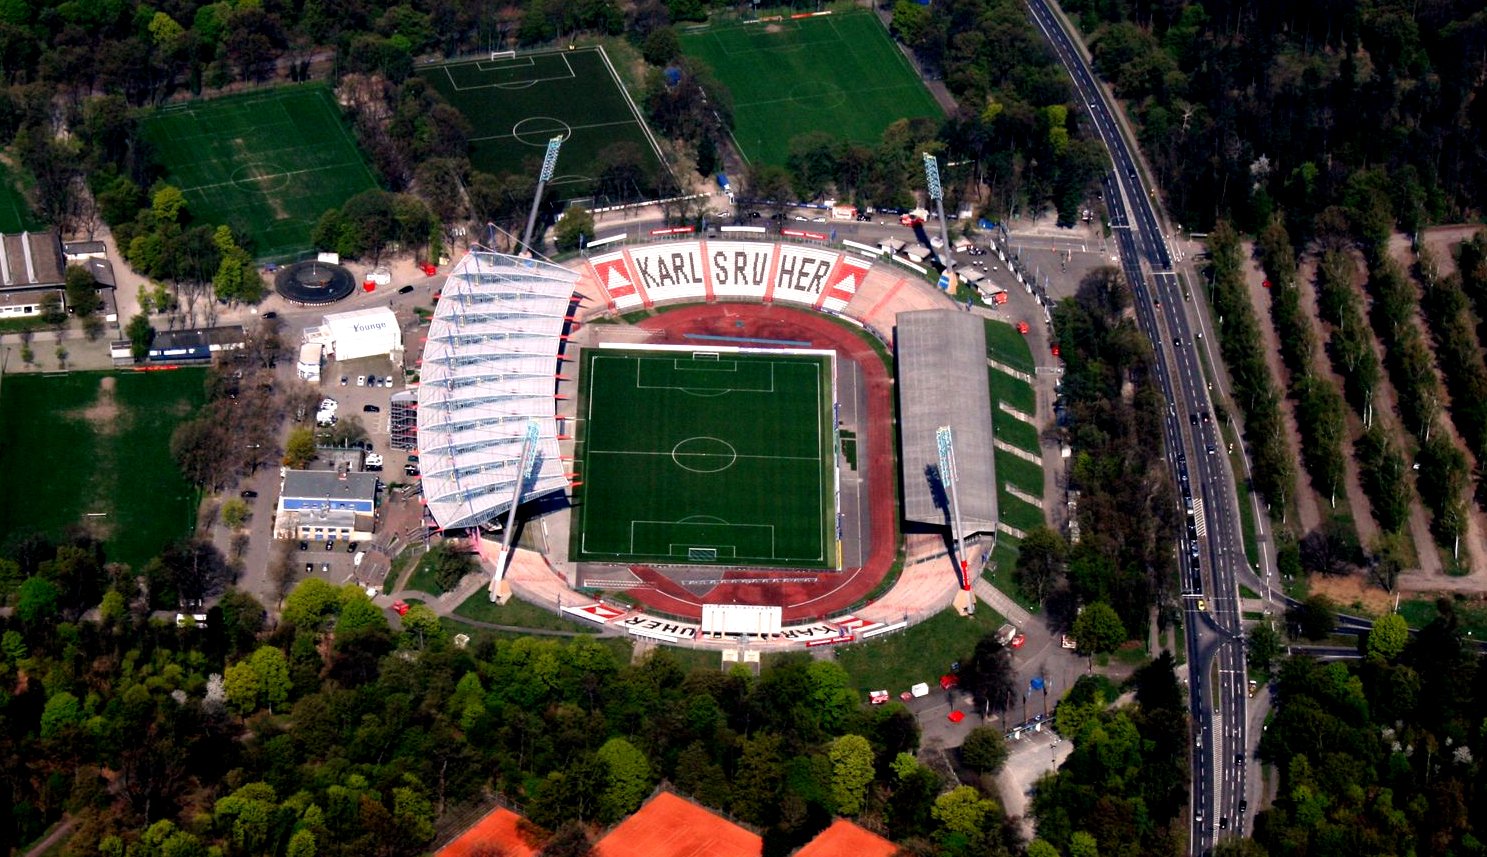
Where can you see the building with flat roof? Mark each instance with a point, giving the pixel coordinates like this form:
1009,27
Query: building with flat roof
317,505
942,381
488,378
358,333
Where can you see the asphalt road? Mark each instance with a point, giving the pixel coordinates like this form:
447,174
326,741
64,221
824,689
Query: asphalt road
1212,550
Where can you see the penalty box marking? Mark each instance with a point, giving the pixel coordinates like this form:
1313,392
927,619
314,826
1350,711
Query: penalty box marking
482,66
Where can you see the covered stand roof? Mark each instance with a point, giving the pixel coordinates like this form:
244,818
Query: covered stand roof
489,369
942,381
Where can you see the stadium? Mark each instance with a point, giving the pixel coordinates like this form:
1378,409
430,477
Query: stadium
738,450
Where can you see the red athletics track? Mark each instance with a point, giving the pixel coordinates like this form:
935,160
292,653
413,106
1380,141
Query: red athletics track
832,592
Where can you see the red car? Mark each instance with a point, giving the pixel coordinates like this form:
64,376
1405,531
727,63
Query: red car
1018,641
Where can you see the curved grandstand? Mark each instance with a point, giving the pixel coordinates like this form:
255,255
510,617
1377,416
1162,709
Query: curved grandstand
488,373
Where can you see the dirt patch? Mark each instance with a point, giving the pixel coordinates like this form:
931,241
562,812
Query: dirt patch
1353,591
104,413
773,28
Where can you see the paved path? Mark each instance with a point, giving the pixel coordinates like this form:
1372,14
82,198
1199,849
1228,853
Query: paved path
1002,603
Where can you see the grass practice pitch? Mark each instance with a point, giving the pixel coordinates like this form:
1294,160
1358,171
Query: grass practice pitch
268,163
15,212
93,449
705,458
515,105
837,73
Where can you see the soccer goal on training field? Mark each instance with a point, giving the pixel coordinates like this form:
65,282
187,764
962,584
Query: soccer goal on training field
503,55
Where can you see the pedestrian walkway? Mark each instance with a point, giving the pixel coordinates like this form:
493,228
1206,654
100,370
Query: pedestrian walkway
1001,603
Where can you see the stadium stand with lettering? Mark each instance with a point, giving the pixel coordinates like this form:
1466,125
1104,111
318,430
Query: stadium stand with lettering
734,270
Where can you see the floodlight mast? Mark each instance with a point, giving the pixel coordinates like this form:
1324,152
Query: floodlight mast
523,468
549,163
937,193
945,444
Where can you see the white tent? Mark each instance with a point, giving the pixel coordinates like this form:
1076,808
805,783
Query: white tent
361,333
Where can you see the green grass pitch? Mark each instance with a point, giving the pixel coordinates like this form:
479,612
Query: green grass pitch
697,460
515,105
268,163
70,448
836,73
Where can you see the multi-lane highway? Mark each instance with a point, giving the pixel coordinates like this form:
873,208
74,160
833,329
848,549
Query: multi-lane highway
1212,552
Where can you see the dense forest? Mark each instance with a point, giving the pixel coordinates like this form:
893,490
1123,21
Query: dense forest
1246,108
330,733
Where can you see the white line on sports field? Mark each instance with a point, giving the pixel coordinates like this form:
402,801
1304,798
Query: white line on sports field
513,136
704,455
289,174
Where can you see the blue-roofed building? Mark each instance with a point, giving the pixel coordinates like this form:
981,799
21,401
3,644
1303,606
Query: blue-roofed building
320,505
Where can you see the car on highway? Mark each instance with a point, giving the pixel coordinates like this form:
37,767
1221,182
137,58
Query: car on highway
1205,416
1202,606
1244,806
1193,418
1177,342
1223,822
1211,449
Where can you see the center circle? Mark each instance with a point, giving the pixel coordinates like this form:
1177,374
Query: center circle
704,454
537,130
818,94
259,176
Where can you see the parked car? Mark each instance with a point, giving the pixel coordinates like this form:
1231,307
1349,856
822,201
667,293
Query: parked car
330,544
351,547
413,459
405,290
249,495
361,380
309,568
371,409
304,546
343,380
271,314
371,380
387,382
325,568
410,469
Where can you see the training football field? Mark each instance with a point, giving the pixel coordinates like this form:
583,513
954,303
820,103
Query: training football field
516,104
268,163
706,458
837,73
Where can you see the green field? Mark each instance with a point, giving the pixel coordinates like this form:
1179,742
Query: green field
267,163
1014,391
923,652
15,213
698,460
1005,345
73,451
515,105
838,73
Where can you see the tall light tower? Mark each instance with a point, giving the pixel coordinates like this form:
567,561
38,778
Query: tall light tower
549,163
500,590
945,444
937,193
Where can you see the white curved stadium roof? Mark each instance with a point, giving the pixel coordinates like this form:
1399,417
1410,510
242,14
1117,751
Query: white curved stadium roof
489,369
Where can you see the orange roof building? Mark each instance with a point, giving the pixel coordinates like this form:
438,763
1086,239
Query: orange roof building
497,833
671,826
845,839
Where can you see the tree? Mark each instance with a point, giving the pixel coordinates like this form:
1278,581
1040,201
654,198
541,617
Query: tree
1388,636
1082,844
37,600
243,687
1098,629
450,564
234,513
575,229
851,772
82,291
1040,560
299,449
571,839
421,625
984,750
358,614
310,604
62,713
140,334
50,307
987,673
629,779
963,811
1265,647
272,669
1314,618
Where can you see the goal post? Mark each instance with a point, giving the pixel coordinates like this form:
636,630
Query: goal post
503,55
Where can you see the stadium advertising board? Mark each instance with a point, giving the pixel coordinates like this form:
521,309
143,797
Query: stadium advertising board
708,270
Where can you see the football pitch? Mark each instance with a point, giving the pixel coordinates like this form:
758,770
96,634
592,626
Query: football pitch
93,448
268,163
837,73
706,458
515,105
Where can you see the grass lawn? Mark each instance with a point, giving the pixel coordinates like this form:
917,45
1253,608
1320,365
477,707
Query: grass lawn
1015,431
693,460
1014,391
516,105
1005,345
923,652
268,163
1419,612
94,448
1018,513
15,212
517,612
1001,571
839,74
1024,474
422,578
